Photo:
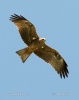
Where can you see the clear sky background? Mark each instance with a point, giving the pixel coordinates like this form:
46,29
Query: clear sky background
58,22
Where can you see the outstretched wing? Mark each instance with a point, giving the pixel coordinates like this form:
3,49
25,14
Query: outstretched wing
52,57
25,28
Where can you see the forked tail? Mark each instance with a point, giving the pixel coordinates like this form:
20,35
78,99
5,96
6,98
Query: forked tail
24,54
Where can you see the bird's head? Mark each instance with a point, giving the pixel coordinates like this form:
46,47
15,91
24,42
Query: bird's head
42,39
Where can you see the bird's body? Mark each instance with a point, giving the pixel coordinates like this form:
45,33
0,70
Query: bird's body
37,46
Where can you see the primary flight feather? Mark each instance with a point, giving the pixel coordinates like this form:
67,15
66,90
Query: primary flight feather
37,46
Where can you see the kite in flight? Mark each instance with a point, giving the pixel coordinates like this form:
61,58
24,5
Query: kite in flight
37,46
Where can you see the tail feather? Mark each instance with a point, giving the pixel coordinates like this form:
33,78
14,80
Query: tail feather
24,54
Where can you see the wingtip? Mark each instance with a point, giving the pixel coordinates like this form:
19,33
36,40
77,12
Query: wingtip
64,71
15,17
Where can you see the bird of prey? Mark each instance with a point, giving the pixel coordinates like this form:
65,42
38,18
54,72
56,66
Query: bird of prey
37,46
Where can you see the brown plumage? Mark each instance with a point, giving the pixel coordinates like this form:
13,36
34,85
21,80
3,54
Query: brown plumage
37,46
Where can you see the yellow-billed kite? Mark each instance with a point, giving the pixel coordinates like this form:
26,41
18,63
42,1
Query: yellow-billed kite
37,46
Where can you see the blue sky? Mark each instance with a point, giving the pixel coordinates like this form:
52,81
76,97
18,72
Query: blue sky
58,22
